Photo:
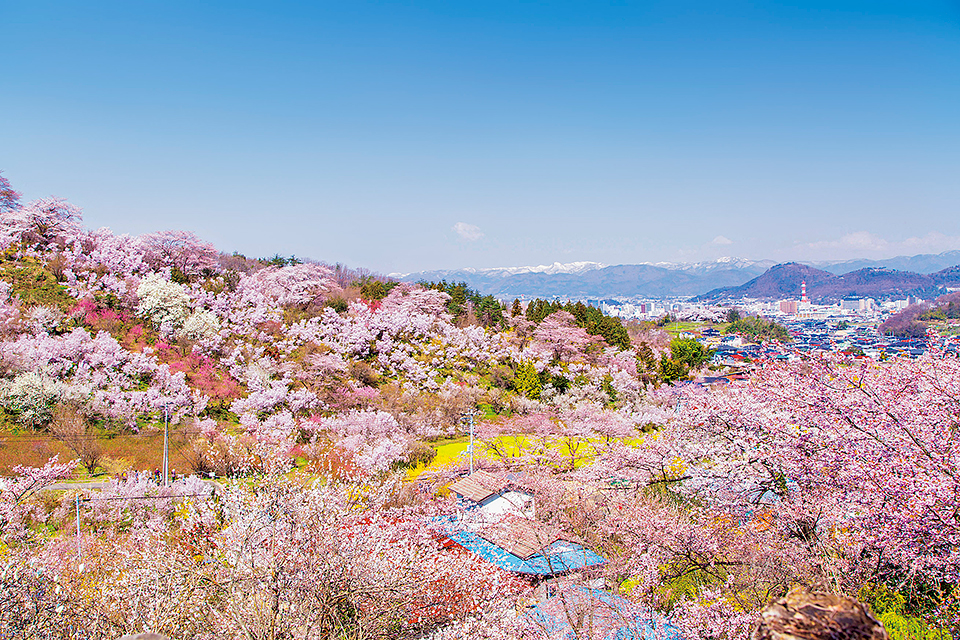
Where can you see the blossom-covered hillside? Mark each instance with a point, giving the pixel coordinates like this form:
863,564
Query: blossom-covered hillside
254,356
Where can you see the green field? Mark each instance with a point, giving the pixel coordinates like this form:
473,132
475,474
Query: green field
676,328
447,451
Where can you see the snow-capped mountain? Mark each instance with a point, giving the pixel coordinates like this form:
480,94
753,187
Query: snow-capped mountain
725,263
556,267
596,280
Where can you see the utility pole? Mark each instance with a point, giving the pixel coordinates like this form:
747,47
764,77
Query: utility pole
79,554
166,446
468,418
471,443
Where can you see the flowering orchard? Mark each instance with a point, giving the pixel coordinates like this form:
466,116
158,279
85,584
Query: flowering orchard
310,393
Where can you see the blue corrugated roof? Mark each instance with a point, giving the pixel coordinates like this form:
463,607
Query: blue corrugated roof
615,617
559,557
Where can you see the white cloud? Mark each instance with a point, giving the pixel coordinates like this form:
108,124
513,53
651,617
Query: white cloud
721,240
469,232
864,242
857,241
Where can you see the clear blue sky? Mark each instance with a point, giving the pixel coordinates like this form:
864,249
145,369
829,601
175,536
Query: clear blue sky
402,136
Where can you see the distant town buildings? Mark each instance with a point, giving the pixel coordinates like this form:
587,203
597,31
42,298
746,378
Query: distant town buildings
802,308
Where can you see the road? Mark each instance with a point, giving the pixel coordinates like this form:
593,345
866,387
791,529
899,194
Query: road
67,486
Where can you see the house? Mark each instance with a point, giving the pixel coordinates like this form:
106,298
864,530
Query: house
496,522
522,546
489,498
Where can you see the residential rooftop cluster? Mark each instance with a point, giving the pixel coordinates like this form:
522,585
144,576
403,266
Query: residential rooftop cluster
496,520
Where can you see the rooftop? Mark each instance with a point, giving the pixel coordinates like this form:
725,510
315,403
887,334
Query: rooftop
553,553
478,486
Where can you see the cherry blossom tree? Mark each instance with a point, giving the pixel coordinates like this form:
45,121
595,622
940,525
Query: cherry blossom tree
562,336
42,223
868,448
180,250
374,437
299,285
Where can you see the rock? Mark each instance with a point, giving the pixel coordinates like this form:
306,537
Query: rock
803,615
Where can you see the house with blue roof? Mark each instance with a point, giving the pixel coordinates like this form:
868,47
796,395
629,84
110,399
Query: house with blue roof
524,547
562,570
495,521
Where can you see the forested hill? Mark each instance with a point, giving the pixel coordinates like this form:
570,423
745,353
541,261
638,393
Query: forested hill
784,281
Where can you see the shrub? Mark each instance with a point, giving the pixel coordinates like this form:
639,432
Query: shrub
364,373
31,397
162,301
200,326
501,376
420,455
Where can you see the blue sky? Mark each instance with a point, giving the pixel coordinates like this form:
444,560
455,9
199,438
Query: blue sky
419,135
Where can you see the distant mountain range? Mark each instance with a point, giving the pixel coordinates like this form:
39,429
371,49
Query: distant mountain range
594,280
726,278
926,263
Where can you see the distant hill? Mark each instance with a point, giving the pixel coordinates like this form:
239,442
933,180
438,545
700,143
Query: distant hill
784,281
949,277
780,281
927,263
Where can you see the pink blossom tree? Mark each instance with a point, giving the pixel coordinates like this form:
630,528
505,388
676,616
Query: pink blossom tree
179,250
42,223
562,336
374,437
16,492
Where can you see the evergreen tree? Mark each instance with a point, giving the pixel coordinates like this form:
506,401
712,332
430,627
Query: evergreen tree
527,381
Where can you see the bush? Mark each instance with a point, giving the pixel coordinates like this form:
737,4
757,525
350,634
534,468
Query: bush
420,455
200,326
162,302
501,376
338,304
364,373
31,397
